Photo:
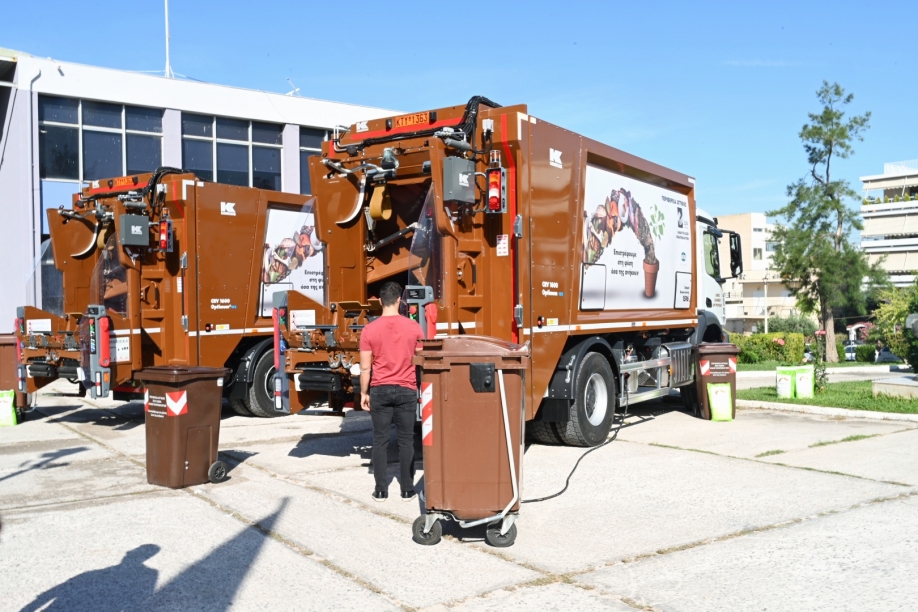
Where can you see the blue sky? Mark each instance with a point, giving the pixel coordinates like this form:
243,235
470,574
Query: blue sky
716,90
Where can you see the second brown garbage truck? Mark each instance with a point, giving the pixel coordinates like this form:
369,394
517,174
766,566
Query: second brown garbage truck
504,225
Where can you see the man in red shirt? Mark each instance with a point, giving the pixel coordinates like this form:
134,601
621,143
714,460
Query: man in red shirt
389,388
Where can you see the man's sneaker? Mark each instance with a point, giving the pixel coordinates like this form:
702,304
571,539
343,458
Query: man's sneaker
408,495
380,496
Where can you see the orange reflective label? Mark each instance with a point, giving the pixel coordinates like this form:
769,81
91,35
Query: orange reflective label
122,181
415,119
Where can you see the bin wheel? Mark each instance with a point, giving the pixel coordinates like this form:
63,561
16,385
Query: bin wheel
493,537
426,539
217,472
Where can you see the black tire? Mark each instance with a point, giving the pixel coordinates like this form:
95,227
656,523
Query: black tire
544,433
217,472
238,405
689,395
426,539
591,417
493,537
260,395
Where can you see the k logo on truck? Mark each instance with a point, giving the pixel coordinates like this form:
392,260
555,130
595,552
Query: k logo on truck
554,158
228,209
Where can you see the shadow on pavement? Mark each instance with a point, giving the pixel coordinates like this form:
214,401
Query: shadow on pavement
46,462
208,584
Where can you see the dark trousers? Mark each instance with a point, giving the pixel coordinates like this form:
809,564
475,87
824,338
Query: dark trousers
388,404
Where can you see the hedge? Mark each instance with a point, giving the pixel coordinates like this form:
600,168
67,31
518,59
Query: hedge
866,353
763,347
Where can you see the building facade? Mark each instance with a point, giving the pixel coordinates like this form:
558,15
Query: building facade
759,292
64,124
890,212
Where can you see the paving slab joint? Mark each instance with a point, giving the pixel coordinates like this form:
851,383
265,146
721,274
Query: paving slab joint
828,411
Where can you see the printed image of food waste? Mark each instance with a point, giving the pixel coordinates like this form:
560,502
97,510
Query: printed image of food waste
621,211
289,254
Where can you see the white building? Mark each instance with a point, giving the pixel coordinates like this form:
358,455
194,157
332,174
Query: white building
890,211
758,293
64,124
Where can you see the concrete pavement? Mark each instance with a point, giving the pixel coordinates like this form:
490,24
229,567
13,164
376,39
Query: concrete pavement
676,514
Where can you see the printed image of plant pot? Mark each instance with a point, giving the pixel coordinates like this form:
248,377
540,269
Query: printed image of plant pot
650,278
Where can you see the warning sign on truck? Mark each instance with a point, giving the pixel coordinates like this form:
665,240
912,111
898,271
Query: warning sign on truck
636,245
293,257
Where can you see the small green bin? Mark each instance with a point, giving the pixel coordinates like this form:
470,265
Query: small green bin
784,381
804,381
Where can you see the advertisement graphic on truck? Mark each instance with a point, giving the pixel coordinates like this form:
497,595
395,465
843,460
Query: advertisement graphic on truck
637,245
293,258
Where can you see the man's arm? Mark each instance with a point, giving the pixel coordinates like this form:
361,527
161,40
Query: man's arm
366,364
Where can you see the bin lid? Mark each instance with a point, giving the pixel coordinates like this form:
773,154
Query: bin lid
180,374
472,346
7,339
717,348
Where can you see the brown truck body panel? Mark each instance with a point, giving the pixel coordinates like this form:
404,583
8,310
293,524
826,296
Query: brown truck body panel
483,278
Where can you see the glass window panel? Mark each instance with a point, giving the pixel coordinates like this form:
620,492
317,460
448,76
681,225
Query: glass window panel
61,110
198,157
144,153
233,164
311,138
197,125
305,186
266,168
232,129
144,119
102,115
58,152
101,155
268,133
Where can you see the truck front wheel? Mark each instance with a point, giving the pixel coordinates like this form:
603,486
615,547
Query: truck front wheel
594,408
260,396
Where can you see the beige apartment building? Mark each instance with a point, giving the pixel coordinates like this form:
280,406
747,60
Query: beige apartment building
890,211
758,293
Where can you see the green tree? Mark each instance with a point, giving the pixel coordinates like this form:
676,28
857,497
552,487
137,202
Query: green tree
815,256
895,306
793,323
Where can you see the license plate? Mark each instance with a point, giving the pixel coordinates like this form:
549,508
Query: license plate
415,119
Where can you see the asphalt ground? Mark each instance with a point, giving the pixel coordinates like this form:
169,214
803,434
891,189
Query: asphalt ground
773,511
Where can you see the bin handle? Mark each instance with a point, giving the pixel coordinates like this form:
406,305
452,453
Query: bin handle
513,480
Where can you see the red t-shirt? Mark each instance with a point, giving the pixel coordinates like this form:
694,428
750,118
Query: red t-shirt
392,340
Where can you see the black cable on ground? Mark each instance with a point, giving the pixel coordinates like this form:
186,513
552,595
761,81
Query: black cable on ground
595,448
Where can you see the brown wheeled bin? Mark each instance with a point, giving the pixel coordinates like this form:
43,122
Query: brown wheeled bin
182,414
472,419
715,364
9,360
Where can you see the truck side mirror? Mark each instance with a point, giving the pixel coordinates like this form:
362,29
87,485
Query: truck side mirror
736,255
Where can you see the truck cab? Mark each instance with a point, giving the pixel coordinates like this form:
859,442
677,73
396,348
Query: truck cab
712,316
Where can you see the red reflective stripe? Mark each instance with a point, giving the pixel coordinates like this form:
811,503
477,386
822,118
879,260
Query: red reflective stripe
511,211
104,343
277,360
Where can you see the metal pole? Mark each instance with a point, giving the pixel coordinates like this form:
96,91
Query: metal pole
766,301
169,73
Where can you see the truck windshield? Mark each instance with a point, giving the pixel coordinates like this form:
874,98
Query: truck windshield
109,280
711,255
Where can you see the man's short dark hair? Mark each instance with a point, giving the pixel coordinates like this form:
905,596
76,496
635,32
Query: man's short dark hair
390,293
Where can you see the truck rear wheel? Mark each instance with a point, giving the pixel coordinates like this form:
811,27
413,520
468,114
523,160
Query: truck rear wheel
594,406
545,433
260,396
239,407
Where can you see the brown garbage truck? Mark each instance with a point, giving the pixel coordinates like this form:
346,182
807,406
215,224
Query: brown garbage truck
501,224
165,269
